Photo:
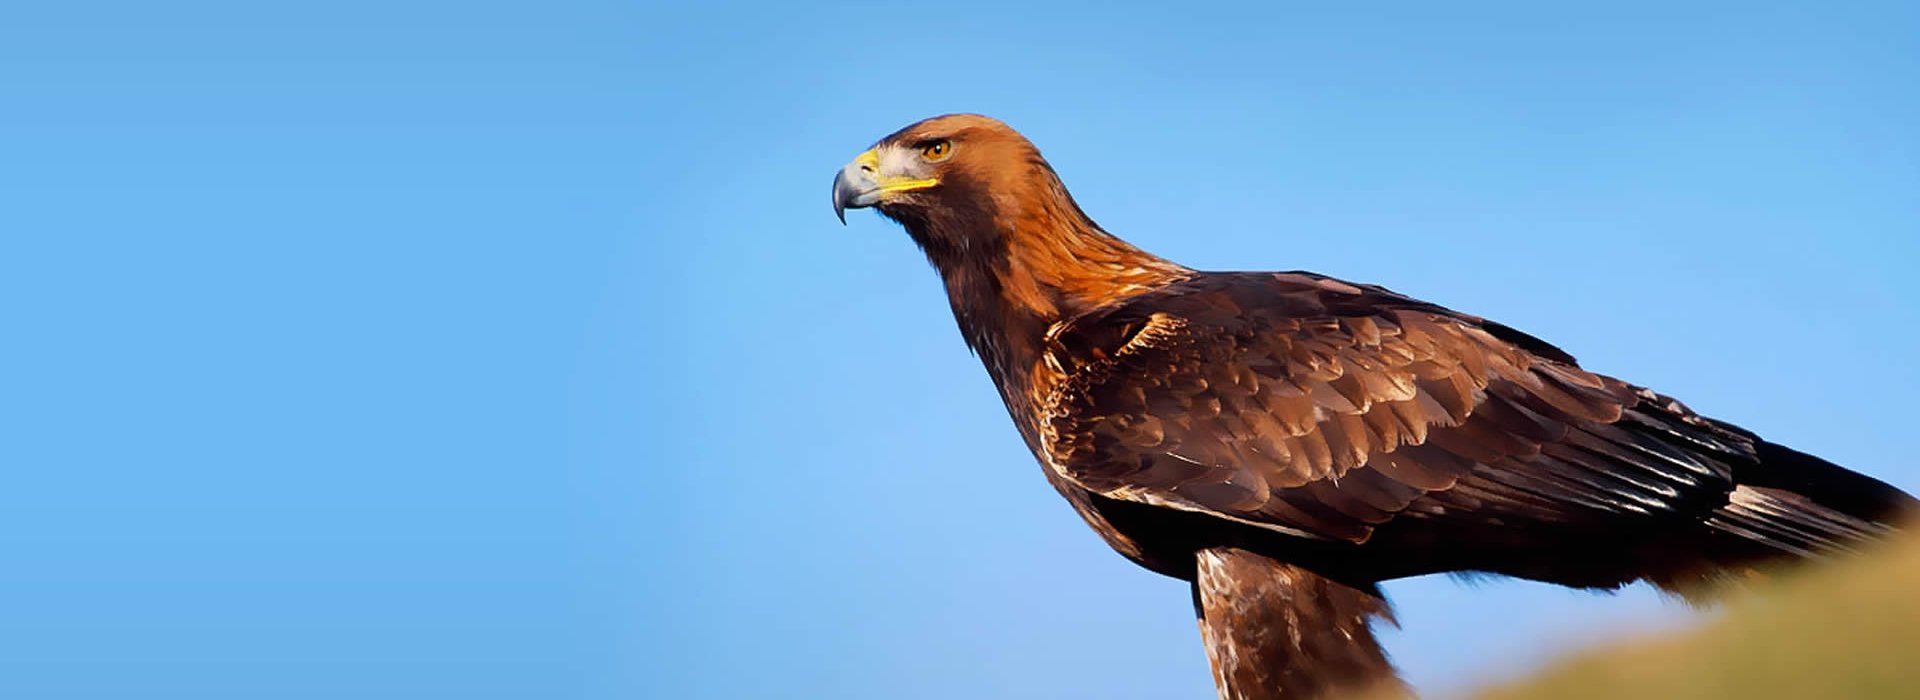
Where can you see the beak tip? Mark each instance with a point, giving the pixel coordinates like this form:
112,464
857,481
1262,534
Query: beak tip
840,196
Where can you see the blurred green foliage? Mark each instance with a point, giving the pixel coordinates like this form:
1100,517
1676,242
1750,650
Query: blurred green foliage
1849,630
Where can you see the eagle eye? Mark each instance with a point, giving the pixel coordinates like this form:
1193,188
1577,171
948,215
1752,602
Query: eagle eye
936,151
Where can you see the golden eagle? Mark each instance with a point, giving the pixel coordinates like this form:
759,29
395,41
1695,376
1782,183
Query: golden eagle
1286,440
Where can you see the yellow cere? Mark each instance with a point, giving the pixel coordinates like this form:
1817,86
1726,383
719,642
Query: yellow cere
870,162
904,184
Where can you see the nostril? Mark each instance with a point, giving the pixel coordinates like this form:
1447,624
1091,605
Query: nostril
868,169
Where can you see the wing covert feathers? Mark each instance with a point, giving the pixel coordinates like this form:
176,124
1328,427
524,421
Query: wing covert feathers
1326,410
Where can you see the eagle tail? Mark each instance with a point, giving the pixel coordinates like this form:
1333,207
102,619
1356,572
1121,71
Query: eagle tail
1275,630
1791,506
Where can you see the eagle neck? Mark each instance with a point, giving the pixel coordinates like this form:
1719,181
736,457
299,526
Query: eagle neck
1014,270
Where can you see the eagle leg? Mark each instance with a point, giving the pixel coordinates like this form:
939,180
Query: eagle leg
1275,631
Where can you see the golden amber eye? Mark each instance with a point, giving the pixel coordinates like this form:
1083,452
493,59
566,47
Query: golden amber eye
937,150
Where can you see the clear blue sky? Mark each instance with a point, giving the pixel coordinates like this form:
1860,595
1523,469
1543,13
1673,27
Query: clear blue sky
486,350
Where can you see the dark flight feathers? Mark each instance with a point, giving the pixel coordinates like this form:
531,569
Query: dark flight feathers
1330,411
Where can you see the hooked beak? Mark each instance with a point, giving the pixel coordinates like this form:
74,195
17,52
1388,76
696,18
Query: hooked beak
863,184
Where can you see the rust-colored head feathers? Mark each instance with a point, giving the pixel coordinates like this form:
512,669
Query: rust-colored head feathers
946,171
962,182
996,221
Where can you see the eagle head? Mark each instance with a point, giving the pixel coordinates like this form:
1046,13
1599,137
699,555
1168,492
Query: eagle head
939,169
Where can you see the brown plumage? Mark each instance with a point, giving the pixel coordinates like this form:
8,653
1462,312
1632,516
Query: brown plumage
1286,440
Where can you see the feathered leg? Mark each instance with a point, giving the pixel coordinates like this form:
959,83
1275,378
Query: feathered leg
1277,631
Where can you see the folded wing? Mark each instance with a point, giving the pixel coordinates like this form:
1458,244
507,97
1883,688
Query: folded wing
1321,409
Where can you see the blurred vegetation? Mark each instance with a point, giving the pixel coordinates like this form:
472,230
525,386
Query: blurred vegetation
1846,630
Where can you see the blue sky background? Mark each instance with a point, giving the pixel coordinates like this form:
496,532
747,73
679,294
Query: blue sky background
486,350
